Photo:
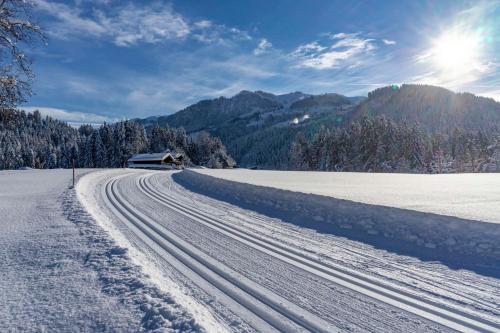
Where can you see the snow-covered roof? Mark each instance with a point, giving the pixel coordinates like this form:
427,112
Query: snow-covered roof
154,156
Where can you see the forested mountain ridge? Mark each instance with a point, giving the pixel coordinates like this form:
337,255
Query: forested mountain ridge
321,101
258,127
411,128
436,109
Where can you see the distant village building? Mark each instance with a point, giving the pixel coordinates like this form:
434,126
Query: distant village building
165,160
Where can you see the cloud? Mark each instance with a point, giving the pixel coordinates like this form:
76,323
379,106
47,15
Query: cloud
73,118
69,20
389,42
203,24
127,24
263,47
347,50
341,35
308,50
240,34
146,24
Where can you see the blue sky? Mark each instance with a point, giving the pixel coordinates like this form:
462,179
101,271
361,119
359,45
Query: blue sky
108,59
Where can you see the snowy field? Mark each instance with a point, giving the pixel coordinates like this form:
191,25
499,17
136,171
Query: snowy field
469,196
137,250
60,272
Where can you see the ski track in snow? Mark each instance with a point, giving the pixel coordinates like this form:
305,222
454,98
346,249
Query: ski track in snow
256,273
449,238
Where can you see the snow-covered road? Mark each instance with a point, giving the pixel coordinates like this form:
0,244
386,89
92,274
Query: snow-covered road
237,270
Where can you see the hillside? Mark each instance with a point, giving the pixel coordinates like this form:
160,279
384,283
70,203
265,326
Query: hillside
435,108
259,127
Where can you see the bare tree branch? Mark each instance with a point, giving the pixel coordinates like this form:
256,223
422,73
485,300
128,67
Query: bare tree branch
17,30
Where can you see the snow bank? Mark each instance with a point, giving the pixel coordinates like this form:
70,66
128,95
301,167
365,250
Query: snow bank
388,227
468,196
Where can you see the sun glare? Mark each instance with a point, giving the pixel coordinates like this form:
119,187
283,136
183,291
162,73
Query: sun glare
456,52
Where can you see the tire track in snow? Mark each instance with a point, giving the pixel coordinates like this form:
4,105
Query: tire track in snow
364,284
276,311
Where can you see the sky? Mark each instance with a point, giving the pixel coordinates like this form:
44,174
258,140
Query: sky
107,60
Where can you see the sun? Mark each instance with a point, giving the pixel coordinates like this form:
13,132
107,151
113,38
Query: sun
455,51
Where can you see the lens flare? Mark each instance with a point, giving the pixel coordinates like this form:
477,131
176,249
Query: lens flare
455,51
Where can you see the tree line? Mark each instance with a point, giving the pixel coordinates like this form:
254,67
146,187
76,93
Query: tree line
382,145
30,140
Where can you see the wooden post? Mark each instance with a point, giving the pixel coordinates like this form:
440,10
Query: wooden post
73,162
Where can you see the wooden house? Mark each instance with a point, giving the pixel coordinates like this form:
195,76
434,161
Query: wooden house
165,160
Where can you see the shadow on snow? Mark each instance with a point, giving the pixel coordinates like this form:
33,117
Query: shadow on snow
455,242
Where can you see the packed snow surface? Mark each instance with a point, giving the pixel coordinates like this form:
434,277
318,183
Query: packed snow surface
468,196
256,273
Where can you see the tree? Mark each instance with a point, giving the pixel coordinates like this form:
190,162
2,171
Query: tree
100,158
16,29
210,152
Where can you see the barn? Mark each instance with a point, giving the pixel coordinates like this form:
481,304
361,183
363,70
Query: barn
165,160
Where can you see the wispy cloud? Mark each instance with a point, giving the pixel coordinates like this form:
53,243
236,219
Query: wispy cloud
263,47
308,50
346,50
73,118
69,19
129,24
146,24
389,42
183,77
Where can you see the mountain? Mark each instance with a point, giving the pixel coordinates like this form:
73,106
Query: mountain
258,127
325,101
435,108
284,99
356,99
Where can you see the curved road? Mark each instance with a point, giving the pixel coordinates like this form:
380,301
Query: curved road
259,274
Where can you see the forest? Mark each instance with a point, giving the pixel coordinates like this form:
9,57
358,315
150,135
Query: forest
382,145
28,140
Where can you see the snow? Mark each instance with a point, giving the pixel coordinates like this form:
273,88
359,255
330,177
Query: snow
149,157
442,214
140,250
255,272
60,272
468,196
88,190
